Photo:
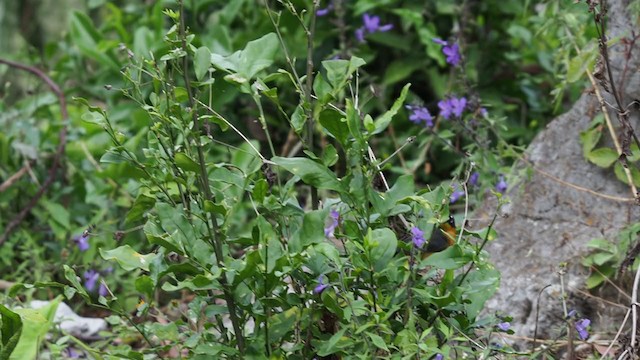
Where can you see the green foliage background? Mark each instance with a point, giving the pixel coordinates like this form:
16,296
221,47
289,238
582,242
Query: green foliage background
133,167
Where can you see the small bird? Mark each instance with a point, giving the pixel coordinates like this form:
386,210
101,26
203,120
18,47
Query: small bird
441,238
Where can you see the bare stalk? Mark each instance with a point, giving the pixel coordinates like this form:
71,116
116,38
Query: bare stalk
204,184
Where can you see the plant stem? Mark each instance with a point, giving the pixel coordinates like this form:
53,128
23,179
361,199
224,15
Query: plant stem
309,87
204,184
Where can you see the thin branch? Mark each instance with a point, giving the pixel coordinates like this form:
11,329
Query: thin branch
204,181
577,187
634,309
57,159
15,177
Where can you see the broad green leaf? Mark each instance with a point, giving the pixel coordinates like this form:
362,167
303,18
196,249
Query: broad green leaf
158,236
383,121
283,323
582,62
258,55
89,40
298,119
141,205
114,156
336,71
329,300
35,325
381,244
482,284
167,332
197,283
353,123
201,62
339,71
128,258
270,246
18,287
400,70
322,89
311,172
71,276
450,259
211,349
184,162
260,190
589,139
145,285
335,343
335,124
378,341
311,231
329,155
216,120
385,202
11,329
595,279
58,213
603,157
143,41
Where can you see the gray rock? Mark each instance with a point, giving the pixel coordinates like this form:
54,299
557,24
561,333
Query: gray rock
72,323
549,223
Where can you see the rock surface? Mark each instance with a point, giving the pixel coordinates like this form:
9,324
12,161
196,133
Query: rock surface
550,222
72,323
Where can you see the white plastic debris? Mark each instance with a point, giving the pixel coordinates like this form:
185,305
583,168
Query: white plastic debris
74,324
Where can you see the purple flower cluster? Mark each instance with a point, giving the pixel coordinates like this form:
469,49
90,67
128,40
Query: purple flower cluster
473,179
329,229
452,107
581,328
71,353
456,194
82,241
502,185
504,326
450,50
321,286
91,278
420,114
417,236
371,24
325,11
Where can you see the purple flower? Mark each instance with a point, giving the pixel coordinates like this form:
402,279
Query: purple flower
458,105
501,186
70,353
82,241
581,328
90,279
102,290
329,229
473,179
417,236
456,194
360,35
504,326
483,112
438,357
325,11
439,41
572,313
452,106
450,50
321,286
371,24
420,114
